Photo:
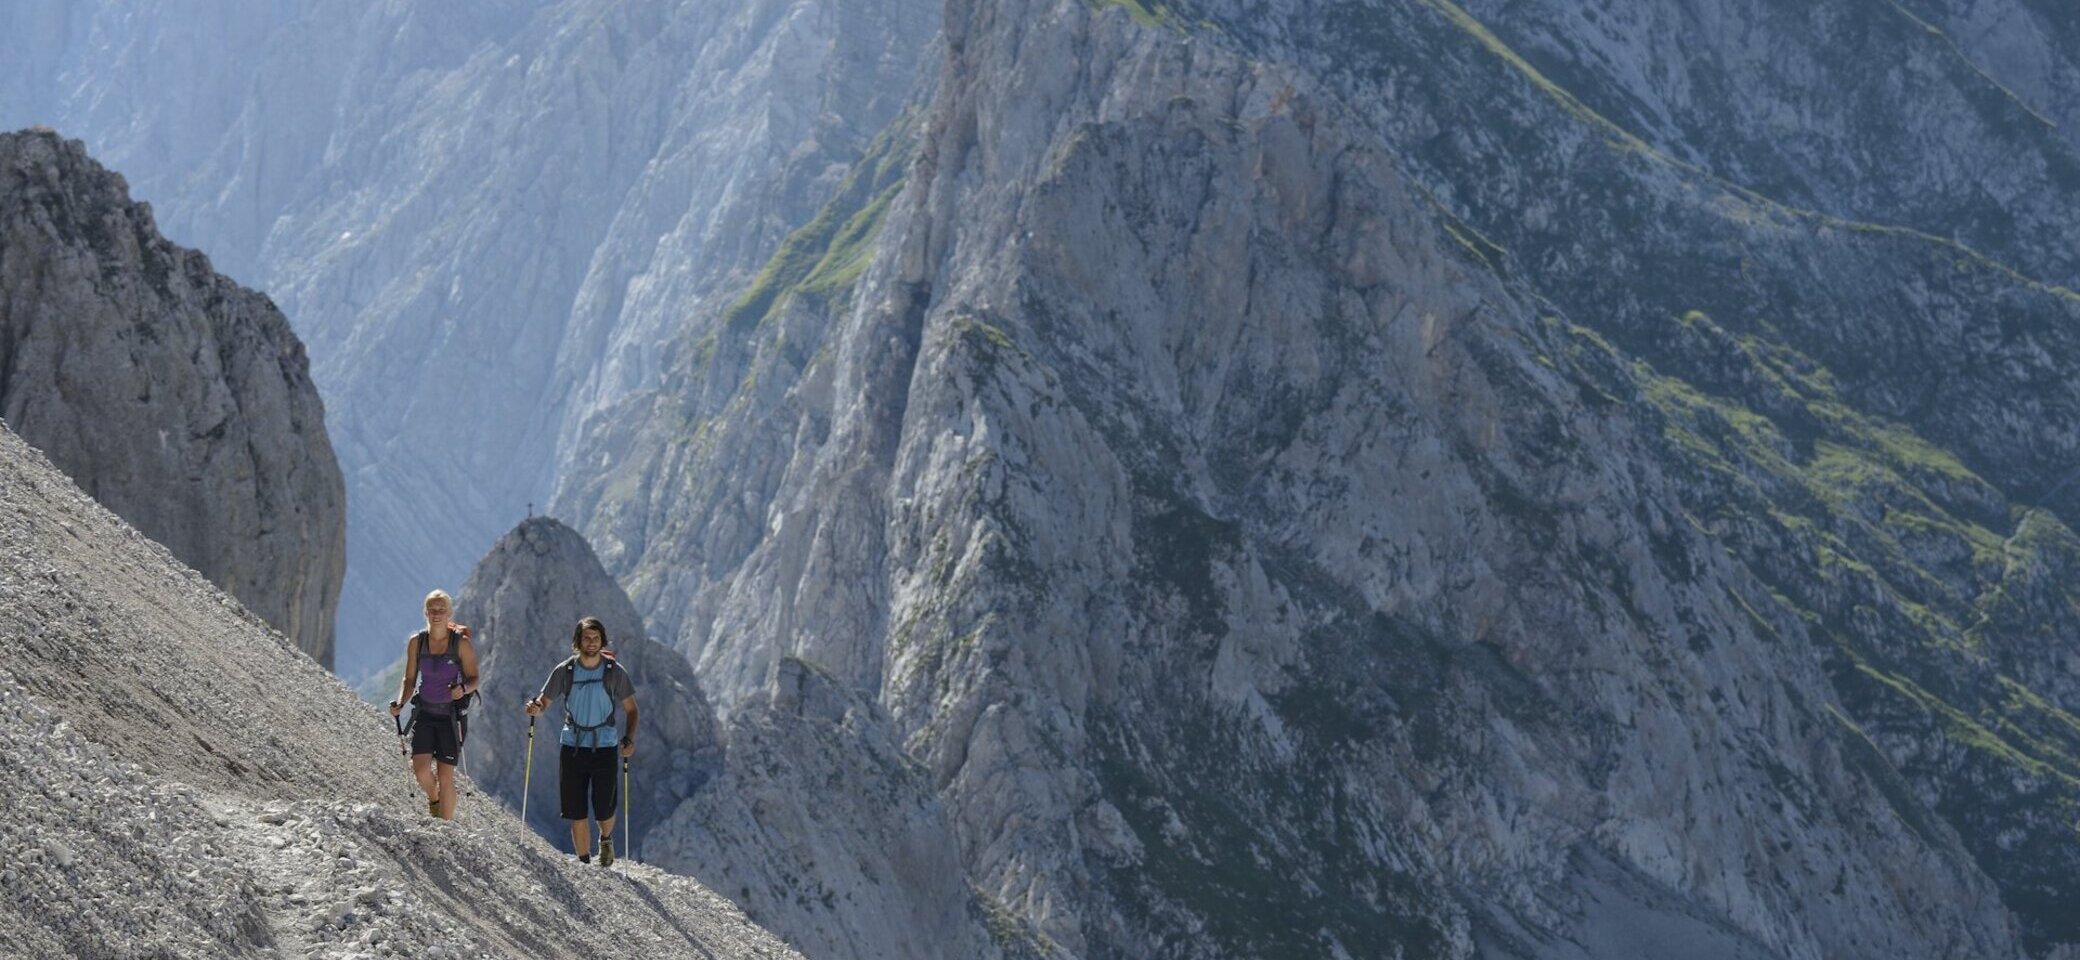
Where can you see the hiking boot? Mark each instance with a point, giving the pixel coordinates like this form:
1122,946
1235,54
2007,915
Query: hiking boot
584,858
606,851
433,808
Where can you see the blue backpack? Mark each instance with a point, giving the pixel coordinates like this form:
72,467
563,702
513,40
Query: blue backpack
587,733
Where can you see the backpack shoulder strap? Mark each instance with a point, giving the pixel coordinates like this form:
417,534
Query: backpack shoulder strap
570,668
412,646
453,654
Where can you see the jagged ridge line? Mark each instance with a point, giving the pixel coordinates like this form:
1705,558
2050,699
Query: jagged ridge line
1148,13
1969,62
1629,140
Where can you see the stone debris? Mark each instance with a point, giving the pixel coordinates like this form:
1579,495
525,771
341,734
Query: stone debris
157,808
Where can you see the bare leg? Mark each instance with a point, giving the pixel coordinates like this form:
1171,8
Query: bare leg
606,827
447,794
422,769
581,837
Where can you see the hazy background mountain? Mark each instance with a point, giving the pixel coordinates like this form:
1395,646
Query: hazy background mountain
482,218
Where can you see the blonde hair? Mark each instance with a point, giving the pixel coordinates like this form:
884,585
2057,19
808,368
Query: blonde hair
441,595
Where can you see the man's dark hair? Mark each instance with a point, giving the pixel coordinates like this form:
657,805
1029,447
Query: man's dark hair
589,623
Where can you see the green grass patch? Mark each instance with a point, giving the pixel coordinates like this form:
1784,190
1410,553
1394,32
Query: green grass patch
848,251
823,257
1155,14
2021,699
966,325
1861,496
1484,250
1618,135
1960,728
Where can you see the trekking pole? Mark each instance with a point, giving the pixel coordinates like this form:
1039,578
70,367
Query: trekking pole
527,777
404,749
460,724
626,807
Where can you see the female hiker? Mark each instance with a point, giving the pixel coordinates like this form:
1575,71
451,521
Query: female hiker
592,685
441,665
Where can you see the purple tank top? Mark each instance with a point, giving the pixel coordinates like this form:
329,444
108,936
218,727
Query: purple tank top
436,671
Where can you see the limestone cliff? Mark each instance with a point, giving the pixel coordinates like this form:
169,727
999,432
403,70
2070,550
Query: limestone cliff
1389,503
825,831
175,397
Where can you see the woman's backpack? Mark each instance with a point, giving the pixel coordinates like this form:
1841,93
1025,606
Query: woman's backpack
453,655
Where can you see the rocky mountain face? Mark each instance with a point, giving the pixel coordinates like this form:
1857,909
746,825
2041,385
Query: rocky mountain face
175,780
175,397
826,832
818,824
483,218
1860,344
1416,479
521,603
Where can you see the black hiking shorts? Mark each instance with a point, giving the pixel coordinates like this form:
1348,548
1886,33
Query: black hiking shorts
587,774
436,734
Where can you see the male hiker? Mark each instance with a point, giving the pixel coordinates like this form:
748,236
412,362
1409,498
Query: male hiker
591,684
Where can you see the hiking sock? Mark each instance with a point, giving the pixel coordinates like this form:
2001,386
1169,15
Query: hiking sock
606,850
433,807
584,858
